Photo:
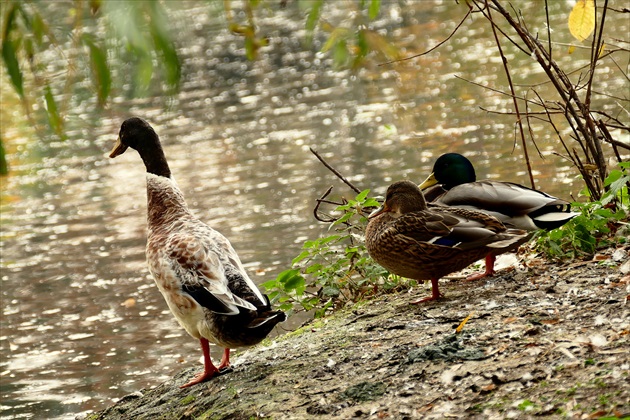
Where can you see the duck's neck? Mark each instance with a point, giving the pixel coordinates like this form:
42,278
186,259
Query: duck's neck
153,157
165,201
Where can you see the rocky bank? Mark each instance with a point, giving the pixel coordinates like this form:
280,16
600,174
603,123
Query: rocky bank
543,340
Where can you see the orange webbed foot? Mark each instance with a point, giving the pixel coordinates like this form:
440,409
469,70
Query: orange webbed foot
490,259
208,368
435,295
201,377
479,276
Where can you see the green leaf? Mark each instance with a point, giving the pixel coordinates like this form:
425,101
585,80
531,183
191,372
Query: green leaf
330,291
340,54
312,18
313,268
271,284
329,239
296,283
344,207
9,20
164,45
250,48
54,119
362,195
100,70
343,218
371,202
4,167
39,28
143,71
286,275
13,67
286,306
300,257
375,7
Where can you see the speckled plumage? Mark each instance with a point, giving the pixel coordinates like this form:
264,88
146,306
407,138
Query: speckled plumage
195,267
421,243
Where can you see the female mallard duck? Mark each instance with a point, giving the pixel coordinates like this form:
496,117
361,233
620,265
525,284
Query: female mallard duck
453,183
421,243
195,267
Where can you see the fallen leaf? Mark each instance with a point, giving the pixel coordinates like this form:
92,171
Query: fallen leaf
461,325
129,303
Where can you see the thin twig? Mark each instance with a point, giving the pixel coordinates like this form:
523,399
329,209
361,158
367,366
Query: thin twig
436,46
519,120
319,202
334,171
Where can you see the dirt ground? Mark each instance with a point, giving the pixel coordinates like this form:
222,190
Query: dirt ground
545,340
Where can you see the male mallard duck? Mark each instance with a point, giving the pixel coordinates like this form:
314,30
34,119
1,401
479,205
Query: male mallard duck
421,243
195,267
453,183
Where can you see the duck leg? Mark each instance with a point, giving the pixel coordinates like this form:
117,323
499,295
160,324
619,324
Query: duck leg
435,295
208,368
490,259
225,360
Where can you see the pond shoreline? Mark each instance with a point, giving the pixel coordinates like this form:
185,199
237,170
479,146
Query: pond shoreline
548,340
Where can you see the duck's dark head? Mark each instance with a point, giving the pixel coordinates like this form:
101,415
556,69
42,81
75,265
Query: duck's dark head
450,170
401,197
139,135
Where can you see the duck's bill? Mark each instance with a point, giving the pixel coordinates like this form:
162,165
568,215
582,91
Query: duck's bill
378,211
429,182
118,149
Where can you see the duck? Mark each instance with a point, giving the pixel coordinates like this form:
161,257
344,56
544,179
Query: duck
413,240
194,266
453,182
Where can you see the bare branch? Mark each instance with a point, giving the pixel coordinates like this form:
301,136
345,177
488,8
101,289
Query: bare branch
515,102
439,44
321,200
334,171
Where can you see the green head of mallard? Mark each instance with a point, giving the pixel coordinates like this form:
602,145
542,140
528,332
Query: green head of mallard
450,170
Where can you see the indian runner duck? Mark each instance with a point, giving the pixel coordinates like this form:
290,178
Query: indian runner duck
195,267
414,241
453,182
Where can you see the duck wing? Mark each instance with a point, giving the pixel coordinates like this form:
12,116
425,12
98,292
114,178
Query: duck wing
455,227
505,197
209,270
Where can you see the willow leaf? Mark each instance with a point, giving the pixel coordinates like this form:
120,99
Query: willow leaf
375,7
100,70
54,118
13,66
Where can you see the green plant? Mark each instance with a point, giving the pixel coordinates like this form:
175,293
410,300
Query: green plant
336,269
527,405
597,222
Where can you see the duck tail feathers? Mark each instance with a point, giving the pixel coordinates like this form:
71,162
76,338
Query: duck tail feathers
272,318
510,238
552,220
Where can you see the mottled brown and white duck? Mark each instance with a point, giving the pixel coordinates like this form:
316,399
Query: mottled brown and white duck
195,267
414,241
453,182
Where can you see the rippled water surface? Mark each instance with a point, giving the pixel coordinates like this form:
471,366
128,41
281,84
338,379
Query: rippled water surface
82,322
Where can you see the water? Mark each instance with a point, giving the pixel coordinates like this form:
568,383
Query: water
83,323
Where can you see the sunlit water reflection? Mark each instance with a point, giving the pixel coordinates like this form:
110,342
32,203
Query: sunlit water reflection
83,324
